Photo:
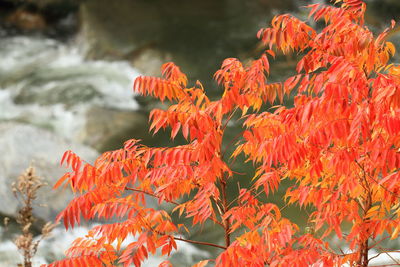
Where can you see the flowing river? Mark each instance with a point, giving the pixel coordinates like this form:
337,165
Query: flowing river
49,84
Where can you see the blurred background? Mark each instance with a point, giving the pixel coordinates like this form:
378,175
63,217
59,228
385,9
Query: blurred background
66,74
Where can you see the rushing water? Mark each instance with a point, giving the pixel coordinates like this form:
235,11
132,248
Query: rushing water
49,84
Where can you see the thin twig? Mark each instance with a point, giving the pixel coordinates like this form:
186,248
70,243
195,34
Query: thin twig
228,119
150,194
199,242
387,253
169,201
231,142
148,224
378,242
373,179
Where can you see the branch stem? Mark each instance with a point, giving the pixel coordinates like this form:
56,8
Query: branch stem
199,242
225,206
363,251
149,194
169,201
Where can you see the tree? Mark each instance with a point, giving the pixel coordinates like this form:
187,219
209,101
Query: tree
339,145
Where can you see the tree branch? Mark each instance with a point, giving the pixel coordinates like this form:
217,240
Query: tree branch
199,242
149,194
225,210
375,181
364,246
169,201
150,228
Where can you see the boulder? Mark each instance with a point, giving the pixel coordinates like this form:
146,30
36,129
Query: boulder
196,35
107,129
149,60
55,18
26,20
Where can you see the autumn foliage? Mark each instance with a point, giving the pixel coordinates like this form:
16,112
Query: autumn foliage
339,145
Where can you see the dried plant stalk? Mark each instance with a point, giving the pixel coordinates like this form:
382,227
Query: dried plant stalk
25,190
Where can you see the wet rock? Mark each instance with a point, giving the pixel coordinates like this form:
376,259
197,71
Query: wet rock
68,94
55,18
25,20
107,129
148,60
197,35
21,145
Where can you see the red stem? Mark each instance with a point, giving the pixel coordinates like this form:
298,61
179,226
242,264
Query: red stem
169,201
199,242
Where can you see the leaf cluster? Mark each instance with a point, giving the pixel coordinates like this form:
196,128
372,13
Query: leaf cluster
340,144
